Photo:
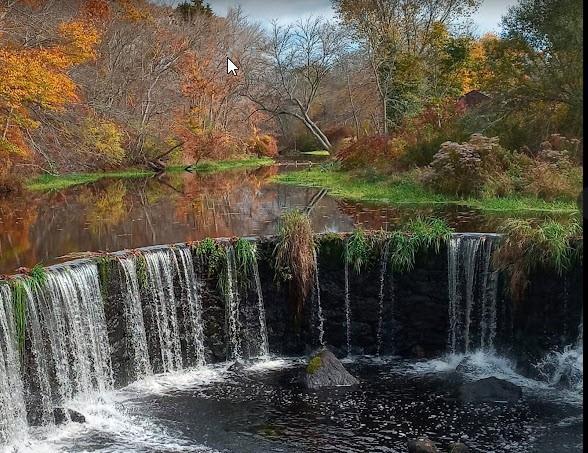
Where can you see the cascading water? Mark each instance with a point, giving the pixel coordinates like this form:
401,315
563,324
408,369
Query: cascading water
232,301
67,349
565,367
317,297
164,307
264,346
347,301
191,304
471,280
134,317
74,317
39,368
12,404
383,268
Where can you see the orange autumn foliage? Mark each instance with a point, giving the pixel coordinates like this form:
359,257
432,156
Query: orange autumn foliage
38,78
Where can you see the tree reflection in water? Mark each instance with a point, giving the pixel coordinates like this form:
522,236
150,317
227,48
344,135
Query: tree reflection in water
116,214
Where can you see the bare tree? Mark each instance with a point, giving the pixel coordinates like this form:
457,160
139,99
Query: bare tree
292,68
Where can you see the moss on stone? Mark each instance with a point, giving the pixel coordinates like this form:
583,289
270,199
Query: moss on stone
314,364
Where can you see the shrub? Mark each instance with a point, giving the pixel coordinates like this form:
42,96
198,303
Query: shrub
201,144
560,151
262,145
547,181
378,151
463,169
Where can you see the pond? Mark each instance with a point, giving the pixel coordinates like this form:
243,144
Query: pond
263,409
116,214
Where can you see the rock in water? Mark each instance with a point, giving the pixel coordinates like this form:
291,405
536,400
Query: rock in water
326,370
459,447
63,415
236,367
422,445
490,389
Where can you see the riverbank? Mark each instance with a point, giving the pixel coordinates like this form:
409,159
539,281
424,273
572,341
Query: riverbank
49,182
402,189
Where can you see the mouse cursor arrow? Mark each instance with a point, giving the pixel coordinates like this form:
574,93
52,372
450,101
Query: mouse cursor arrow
231,67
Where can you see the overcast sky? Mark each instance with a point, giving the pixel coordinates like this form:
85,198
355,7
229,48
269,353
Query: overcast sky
486,19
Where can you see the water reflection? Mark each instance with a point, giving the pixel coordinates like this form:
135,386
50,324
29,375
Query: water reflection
117,214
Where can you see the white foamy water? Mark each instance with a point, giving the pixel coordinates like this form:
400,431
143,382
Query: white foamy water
117,417
481,364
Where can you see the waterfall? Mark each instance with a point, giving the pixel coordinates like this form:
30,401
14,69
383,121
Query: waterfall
12,404
489,295
317,296
39,368
164,306
134,323
472,288
73,315
264,347
232,302
347,301
383,267
191,303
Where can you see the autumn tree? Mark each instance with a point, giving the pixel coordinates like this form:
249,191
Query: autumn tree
35,78
405,41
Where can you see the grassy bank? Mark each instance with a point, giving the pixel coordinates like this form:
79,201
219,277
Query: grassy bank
404,190
320,153
58,182
231,164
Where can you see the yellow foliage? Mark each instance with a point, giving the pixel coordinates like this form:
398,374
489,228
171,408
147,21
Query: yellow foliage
107,138
81,40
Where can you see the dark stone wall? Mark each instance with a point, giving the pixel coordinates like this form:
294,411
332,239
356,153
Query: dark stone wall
414,322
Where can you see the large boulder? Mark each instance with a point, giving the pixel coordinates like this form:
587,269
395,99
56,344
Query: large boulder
489,389
422,445
326,370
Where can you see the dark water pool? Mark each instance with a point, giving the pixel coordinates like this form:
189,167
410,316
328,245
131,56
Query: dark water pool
263,409
115,214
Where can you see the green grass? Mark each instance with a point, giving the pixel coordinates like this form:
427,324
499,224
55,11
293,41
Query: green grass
357,249
318,152
417,235
402,189
554,245
59,182
231,164
246,257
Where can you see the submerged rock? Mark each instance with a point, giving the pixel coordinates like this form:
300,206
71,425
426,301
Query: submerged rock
326,370
236,367
489,389
422,445
64,415
459,447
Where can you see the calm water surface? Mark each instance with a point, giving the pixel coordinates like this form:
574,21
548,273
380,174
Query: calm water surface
115,214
